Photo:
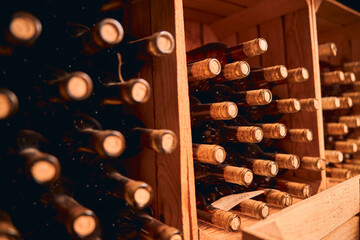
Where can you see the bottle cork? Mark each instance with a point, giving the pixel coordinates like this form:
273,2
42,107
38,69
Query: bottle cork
77,86
278,198
238,175
160,44
297,75
84,225
274,130
275,73
336,128
138,194
204,69
346,147
350,78
24,28
108,32
107,143
330,103
249,134
300,135
209,153
345,102
312,163
258,97
334,156
287,161
160,140
300,190
265,168
309,104
327,49
226,220
356,141
253,208
331,78
223,110
355,96
255,47
350,121
352,67
290,105
340,173
236,70
9,103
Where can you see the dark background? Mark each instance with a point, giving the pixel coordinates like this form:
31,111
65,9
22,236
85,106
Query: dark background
355,4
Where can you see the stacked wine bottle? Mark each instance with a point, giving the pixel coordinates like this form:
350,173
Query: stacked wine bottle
341,98
69,76
238,130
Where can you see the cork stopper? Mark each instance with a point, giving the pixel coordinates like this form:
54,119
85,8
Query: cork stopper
331,78
290,105
345,102
209,153
249,134
313,163
258,97
84,225
327,50
300,135
340,173
238,175
253,208
274,130
160,140
161,43
352,67
346,146
275,73
205,69
287,161
24,28
309,104
336,128
138,194
350,78
236,70
223,110
297,75
139,90
77,87
9,103
255,47
226,220
109,31
264,168
355,96
278,198
43,171
109,143
356,141
330,103
350,121
334,156
300,190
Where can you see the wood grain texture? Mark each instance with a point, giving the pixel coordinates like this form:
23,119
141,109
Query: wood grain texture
218,7
349,230
208,35
336,12
312,218
193,35
196,15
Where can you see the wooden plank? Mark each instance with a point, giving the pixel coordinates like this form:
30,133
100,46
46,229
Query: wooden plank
324,25
336,12
200,16
175,171
213,6
244,3
208,35
246,35
312,218
349,230
355,50
193,35
254,15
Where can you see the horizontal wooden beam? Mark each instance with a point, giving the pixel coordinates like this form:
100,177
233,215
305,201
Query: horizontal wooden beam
313,218
255,14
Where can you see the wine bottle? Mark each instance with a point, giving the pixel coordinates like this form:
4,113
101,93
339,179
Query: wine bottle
242,99
352,67
237,175
355,96
9,103
327,49
204,69
350,121
350,78
296,189
330,103
345,102
335,129
340,173
299,135
331,78
355,169
209,153
220,218
342,146
227,54
7,229
312,163
309,104
334,156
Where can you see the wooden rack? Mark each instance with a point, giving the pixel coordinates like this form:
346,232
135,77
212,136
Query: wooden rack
292,29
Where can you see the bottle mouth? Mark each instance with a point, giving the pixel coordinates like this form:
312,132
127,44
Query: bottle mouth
140,91
113,144
110,31
79,86
168,141
214,67
264,211
84,225
235,223
164,43
142,197
219,154
9,103
25,27
43,171
273,169
263,45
